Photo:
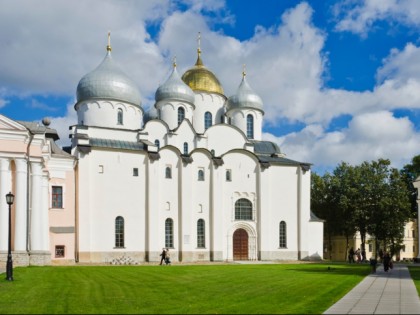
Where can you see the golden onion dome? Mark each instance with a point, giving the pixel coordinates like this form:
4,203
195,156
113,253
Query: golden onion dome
199,78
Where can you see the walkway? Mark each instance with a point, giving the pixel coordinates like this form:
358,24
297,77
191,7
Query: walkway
391,292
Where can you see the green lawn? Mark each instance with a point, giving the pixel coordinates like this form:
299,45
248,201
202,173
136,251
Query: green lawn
183,289
415,274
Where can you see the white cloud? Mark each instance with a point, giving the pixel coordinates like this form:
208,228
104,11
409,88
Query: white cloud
47,51
360,16
368,137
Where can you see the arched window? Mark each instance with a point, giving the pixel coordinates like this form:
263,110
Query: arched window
207,120
201,234
119,232
250,126
157,144
185,148
282,234
228,175
243,209
200,175
169,233
181,115
120,117
168,172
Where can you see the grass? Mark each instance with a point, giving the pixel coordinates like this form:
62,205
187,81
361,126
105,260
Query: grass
415,275
179,289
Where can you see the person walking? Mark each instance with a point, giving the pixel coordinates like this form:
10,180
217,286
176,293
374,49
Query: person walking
167,257
386,262
373,263
351,255
162,256
358,255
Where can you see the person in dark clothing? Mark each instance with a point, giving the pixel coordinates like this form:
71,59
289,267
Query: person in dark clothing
386,261
351,255
162,256
373,263
363,255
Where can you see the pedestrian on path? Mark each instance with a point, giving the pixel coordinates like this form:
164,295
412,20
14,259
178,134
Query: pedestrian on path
162,256
351,255
373,263
387,261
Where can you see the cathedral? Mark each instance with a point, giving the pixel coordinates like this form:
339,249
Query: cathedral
192,175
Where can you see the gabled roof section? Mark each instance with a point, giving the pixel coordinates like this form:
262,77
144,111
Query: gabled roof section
9,124
36,128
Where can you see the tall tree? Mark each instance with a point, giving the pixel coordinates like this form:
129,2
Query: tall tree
410,173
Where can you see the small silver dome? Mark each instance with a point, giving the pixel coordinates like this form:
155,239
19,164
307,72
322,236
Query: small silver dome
108,81
175,88
245,97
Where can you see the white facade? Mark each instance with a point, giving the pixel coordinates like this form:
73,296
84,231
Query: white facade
202,188
191,175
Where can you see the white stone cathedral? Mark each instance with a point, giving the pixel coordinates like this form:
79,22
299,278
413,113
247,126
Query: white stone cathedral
192,175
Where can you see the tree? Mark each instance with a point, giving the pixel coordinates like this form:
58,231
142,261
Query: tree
410,173
371,198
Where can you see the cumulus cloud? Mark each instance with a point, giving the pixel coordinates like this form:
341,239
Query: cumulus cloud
369,136
47,51
359,16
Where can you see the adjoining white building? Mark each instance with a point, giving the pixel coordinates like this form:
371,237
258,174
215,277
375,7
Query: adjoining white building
192,175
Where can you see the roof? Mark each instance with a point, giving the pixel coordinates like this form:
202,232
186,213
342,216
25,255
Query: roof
116,144
37,128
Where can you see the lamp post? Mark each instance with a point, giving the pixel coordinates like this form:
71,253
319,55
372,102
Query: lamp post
9,267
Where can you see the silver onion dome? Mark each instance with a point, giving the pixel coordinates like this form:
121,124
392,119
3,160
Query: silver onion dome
245,97
175,88
108,81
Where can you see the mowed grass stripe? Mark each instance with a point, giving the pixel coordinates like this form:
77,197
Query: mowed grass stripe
179,289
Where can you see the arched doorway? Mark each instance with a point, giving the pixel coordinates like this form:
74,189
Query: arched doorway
240,245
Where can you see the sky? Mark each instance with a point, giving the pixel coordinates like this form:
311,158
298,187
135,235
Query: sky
339,79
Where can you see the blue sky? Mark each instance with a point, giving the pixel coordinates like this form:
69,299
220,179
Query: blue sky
340,80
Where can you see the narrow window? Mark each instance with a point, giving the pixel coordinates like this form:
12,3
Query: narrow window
57,197
228,175
185,148
200,175
201,235
243,209
282,233
119,232
181,115
157,144
168,172
120,117
370,248
413,233
135,171
250,126
169,233
59,251
207,120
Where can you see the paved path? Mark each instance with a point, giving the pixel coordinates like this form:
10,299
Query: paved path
391,292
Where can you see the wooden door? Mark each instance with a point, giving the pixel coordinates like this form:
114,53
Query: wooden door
240,245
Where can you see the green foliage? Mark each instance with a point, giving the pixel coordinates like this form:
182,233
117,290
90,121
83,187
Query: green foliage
371,198
410,173
179,289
